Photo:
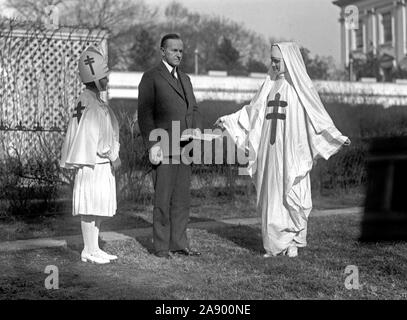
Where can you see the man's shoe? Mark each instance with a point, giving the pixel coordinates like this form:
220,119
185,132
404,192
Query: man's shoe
187,252
163,254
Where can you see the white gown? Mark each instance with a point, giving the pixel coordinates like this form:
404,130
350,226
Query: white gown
281,170
90,146
284,219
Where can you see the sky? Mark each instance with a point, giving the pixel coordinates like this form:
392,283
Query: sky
312,23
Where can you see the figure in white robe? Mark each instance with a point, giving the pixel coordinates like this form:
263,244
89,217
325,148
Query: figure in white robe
284,129
91,147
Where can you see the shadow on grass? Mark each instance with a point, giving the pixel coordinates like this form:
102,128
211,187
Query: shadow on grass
23,277
147,243
61,224
147,240
247,237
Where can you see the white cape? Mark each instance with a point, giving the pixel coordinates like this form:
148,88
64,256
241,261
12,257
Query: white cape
95,138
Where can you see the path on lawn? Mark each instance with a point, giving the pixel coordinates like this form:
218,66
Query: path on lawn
127,234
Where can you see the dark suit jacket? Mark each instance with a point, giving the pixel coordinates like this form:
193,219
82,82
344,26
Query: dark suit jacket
161,101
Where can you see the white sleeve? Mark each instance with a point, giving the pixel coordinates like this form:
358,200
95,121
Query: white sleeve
237,126
108,146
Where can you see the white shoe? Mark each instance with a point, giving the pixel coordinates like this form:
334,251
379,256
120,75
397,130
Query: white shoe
93,258
292,251
105,255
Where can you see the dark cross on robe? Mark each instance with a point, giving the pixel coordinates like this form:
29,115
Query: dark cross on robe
275,115
78,110
89,61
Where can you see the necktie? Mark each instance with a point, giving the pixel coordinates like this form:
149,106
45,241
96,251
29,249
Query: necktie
173,74
178,81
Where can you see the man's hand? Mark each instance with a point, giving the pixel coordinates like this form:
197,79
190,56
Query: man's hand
219,124
156,155
116,164
197,133
347,142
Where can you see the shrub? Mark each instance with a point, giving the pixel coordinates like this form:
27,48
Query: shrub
26,187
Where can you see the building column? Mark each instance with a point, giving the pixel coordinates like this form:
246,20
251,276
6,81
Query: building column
371,31
400,29
377,28
344,41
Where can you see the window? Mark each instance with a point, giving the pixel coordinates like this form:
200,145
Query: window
387,29
359,36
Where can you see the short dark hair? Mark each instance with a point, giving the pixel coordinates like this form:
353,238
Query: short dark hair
168,37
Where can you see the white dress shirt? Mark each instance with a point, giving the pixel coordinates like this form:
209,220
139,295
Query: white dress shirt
170,68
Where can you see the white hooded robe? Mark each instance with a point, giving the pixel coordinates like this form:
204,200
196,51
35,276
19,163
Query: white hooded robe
281,170
91,144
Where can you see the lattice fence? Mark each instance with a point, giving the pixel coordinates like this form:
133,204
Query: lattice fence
39,84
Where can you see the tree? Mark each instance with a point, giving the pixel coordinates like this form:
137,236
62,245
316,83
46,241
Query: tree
118,17
227,58
367,66
202,32
142,53
399,73
176,14
122,18
105,14
32,10
115,16
227,54
318,68
256,66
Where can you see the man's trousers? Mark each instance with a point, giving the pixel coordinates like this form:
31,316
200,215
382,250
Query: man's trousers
171,206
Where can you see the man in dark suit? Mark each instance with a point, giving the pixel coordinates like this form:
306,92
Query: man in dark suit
166,101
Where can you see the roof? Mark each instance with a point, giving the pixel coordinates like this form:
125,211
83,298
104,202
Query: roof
342,3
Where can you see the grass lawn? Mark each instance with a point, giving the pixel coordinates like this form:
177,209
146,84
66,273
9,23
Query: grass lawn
231,267
208,205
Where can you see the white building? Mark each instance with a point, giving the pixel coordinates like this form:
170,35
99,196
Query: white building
378,26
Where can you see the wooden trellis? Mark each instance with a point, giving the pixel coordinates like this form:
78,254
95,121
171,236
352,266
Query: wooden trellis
39,82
